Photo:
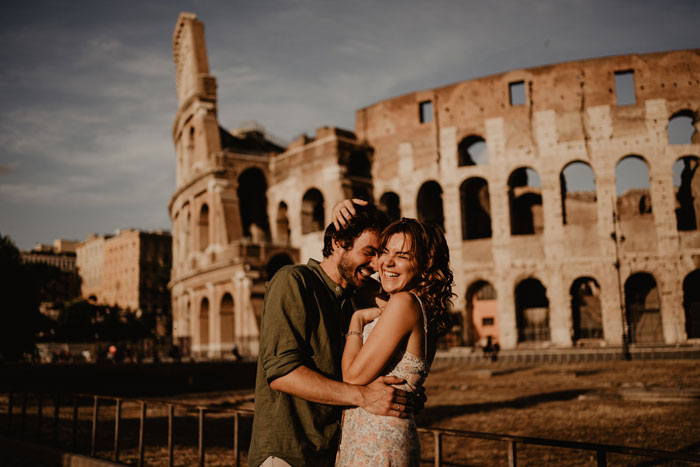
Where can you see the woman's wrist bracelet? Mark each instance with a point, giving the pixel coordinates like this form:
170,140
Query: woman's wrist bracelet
353,333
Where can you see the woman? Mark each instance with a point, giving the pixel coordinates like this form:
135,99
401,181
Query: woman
397,339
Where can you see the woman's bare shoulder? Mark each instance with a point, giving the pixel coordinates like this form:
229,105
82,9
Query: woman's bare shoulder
403,302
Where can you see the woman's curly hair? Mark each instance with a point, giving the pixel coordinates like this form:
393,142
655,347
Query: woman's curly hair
431,258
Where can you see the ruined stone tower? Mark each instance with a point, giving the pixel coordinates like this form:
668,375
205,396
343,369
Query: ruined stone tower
524,170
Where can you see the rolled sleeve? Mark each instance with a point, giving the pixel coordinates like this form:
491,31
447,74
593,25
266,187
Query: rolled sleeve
283,326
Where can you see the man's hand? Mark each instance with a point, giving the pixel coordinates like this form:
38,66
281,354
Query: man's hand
382,399
344,210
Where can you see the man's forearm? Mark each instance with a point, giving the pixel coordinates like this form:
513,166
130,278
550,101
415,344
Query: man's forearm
307,384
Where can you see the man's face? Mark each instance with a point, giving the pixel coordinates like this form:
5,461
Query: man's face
360,261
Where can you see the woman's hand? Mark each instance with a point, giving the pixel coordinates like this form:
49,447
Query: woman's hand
344,210
367,315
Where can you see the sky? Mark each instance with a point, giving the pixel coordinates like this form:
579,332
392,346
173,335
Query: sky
87,88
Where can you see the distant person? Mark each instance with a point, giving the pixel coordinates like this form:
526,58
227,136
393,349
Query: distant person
398,339
299,390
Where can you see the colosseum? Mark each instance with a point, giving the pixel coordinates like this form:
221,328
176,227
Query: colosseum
568,194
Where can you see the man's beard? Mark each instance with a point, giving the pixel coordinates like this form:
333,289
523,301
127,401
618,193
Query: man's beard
347,270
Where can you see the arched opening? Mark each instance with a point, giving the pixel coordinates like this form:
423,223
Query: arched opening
204,227
586,309
429,204
476,209
472,150
226,317
525,200
204,323
359,175
691,304
686,184
252,202
578,194
643,306
482,314
390,204
681,128
282,224
312,212
275,263
632,188
532,311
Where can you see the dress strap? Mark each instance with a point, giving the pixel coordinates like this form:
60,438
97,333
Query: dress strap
425,325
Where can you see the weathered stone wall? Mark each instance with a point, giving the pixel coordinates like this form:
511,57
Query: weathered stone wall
542,244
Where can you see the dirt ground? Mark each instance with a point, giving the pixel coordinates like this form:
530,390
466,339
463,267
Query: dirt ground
649,404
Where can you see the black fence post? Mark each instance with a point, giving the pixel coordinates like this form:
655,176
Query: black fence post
142,428
171,414
95,413
512,454
201,437
117,420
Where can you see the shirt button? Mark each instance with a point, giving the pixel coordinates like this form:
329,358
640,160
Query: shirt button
337,289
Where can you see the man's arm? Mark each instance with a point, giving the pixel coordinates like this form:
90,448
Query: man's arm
377,397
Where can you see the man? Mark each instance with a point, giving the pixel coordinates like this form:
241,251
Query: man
299,393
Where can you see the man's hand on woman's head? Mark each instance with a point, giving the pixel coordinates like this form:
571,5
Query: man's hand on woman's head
344,210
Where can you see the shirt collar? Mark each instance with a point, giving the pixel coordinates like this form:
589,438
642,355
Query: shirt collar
338,291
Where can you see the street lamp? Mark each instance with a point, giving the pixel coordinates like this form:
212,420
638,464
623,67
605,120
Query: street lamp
618,239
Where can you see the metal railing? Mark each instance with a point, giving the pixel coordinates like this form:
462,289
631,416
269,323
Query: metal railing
98,402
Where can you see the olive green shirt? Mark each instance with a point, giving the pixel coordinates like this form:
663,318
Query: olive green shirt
302,324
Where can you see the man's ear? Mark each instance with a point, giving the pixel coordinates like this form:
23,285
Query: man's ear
336,246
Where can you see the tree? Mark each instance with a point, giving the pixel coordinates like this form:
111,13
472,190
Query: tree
19,309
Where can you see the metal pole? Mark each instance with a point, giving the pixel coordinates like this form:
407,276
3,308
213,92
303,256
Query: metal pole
95,409
117,419
235,440
141,431
171,414
10,407
56,416
75,421
39,414
512,454
601,458
201,437
617,238
24,413
438,448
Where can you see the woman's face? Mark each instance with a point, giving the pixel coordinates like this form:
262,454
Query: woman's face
396,265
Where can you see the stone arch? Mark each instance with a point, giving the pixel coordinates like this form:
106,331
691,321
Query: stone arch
476,208
312,211
282,224
275,263
482,314
643,306
429,204
681,128
359,176
586,309
226,320
204,323
532,311
472,150
525,200
686,184
390,204
578,194
252,202
632,187
691,304
203,224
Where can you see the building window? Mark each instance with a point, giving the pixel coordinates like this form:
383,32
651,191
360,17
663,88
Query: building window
624,87
425,111
487,322
517,93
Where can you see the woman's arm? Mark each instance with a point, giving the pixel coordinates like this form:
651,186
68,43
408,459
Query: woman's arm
363,363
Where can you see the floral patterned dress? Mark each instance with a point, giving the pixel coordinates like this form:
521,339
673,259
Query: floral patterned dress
375,440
